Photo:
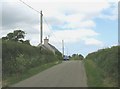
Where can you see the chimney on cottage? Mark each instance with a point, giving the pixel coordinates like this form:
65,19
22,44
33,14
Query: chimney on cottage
46,40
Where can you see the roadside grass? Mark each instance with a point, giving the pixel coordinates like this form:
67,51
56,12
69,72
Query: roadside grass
102,67
33,71
95,76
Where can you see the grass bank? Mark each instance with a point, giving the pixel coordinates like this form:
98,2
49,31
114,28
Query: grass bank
31,72
102,67
20,61
94,74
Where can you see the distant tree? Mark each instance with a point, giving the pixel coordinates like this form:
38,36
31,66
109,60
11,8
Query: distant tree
10,36
69,56
73,55
15,36
81,57
27,42
77,57
21,41
4,38
18,34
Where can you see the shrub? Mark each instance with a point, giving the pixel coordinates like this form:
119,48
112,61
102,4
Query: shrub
107,60
18,57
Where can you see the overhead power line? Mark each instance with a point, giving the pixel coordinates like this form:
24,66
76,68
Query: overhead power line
49,26
39,12
51,30
29,6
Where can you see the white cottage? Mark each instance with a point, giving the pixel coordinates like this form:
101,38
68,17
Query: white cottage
48,46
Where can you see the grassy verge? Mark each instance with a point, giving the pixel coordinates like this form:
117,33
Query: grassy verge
102,67
94,74
17,78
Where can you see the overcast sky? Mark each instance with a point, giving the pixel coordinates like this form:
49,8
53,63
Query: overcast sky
85,26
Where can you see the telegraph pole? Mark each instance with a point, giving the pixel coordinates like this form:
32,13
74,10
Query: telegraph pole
62,48
41,27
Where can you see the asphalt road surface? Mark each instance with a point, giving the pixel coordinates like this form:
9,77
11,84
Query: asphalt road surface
66,74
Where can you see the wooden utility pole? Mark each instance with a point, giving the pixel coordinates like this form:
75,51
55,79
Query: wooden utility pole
62,48
41,27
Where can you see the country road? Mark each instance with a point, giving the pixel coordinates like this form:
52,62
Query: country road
66,74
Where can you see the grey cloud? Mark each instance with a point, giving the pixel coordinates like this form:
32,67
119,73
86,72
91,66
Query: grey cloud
17,14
